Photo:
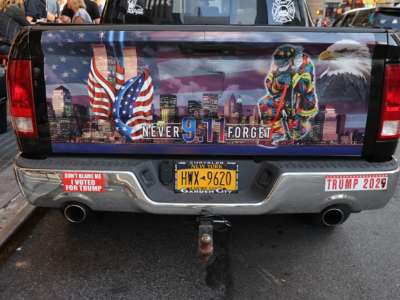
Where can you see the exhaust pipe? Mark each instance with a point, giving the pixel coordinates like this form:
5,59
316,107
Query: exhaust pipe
335,215
75,212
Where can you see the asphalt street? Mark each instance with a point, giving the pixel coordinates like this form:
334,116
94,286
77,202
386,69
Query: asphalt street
128,256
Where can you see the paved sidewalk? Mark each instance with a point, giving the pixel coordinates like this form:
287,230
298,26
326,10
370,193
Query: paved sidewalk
13,208
8,149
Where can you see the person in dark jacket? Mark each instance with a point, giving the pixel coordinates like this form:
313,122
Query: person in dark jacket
35,10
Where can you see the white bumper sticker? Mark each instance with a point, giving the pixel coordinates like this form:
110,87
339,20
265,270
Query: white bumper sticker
367,182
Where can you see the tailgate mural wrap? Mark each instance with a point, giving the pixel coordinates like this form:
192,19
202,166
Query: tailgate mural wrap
243,93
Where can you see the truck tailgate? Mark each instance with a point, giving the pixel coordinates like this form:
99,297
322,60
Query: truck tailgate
208,92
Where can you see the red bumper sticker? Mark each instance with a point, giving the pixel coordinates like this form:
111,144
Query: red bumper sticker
83,182
368,182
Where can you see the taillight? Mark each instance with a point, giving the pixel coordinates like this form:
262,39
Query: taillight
20,94
390,116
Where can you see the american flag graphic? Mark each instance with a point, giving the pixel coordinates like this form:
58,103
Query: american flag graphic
133,106
101,92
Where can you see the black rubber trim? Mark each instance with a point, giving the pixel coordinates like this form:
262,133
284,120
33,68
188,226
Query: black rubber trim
375,101
20,48
126,164
227,28
43,145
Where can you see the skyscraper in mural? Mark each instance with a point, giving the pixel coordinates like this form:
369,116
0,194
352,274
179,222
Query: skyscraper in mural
330,121
233,109
341,128
168,108
194,109
62,102
254,118
239,106
229,107
210,105
81,116
106,62
50,110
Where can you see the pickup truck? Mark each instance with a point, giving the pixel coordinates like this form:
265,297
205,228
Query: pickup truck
212,110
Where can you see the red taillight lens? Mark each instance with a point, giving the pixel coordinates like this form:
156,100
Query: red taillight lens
390,117
20,94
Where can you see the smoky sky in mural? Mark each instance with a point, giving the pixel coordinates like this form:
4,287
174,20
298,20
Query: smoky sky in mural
216,93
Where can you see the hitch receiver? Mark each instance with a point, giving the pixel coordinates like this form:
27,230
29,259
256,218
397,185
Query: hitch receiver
207,225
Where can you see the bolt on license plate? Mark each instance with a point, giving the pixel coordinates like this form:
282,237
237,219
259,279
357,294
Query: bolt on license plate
206,177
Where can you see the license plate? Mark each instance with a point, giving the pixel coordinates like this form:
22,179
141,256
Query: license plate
206,177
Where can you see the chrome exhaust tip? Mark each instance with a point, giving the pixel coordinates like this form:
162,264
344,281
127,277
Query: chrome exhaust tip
333,216
75,213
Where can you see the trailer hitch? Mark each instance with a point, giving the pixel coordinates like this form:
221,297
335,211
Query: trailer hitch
207,225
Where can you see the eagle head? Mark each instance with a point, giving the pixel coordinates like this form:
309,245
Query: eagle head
346,57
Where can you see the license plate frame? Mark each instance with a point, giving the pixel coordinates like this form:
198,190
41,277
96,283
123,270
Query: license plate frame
193,177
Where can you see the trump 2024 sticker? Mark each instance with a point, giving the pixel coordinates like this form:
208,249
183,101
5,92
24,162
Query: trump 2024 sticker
368,182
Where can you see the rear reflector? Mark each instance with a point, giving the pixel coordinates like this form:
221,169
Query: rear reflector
390,117
20,94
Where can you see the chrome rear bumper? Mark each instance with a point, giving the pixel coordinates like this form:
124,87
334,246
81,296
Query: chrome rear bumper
294,190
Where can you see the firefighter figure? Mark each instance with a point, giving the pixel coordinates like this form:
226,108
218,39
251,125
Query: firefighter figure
290,101
304,95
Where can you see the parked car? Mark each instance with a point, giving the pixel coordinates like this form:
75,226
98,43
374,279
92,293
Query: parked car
379,17
206,109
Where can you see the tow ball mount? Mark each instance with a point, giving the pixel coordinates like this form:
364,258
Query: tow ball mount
207,225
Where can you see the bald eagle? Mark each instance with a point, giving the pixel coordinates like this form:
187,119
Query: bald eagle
346,75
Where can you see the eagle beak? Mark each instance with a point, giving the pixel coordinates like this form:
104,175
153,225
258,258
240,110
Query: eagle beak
327,55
